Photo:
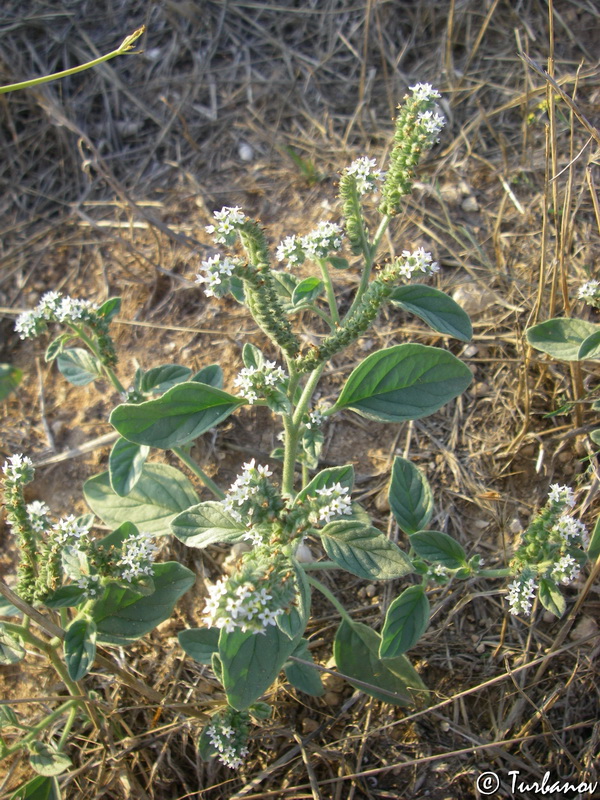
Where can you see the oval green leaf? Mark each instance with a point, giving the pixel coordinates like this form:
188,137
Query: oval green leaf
364,551
590,347
160,494
408,381
212,375
435,308
206,523
159,379
302,676
122,616
110,308
560,338
125,465
439,548
11,647
200,643
307,290
80,647
405,622
551,597
47,760
326,478
78,366
182,414
409,496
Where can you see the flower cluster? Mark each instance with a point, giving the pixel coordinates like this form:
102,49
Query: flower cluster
417,128
137,553
260,382
217,274
252,498
251,599
417,261
228,735
550,550
319,243
331,501
53,307
590,292
365,173
72,531
38,511
315,419
520,594
228,221
18,470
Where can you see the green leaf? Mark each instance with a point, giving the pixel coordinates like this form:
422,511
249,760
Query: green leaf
212,375
7,609
74,562
312,444
66,597
38,788
200,643
56,346
435,308
338,262
110,308
560,338
595,437
407,381
260,710
159,379
551,597
439,548
356,649
590,347
307,290
252,356
278,402
364,551
122,615
10,378
8,718
182,414
206,748
406,621
117,537
301,676
236,287
285,283
326,478
125,465
160,494
409,496
11,647
206,523
78,366
47,760
593,550
80,647
293,621
251,662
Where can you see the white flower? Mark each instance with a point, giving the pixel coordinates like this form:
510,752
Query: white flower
242,607
137,553
216,269
520,594
90,584
18,469
69,530
589,291
365,173
291,249
229,220
570,529
417,261
258,382
28,324
37,513
424,92
561,494
333,501
565,570
71,310
315,419
431,123
325,238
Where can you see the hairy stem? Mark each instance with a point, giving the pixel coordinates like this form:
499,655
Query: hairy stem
189,462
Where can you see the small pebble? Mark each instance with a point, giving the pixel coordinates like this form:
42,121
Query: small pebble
245,152
470,204
309,725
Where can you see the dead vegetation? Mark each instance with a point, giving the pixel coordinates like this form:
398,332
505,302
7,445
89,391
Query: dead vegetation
107,179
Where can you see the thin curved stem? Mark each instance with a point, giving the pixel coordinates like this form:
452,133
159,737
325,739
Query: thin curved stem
331,597
191,464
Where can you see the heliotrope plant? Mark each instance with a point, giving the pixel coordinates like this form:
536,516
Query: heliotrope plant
293,522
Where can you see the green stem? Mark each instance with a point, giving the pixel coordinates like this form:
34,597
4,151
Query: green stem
369,259
189,462
493,573
329,289
64,737
107,370
320,565
123,48
332,599
41,727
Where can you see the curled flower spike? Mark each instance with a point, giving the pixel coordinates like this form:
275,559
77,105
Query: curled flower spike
561,494
228,221
252,498
258,383
424,92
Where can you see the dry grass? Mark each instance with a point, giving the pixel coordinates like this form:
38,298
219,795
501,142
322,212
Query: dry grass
106,182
